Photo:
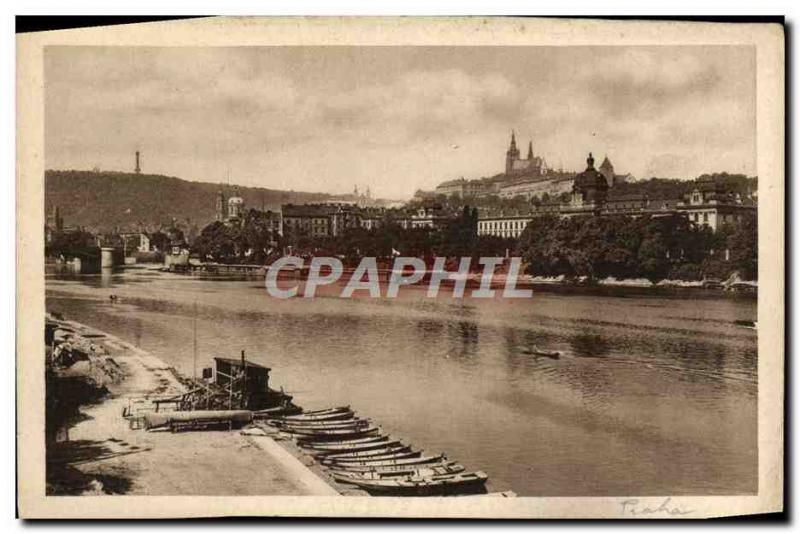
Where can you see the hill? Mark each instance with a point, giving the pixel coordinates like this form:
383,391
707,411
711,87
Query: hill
103,201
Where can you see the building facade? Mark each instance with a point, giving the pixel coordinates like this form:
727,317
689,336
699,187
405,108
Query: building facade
530,189
707,205
502,225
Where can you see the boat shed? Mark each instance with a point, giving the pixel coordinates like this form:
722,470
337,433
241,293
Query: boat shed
225,369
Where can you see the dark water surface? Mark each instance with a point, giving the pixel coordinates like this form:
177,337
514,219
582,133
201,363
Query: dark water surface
654,394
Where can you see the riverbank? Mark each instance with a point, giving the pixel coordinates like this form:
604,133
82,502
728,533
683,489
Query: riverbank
98,453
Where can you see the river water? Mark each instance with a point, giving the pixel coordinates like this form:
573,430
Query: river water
654,393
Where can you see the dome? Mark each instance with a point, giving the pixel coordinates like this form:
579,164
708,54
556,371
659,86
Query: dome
591,177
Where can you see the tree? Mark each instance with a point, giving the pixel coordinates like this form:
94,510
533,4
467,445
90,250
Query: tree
742,243
159,241
71,243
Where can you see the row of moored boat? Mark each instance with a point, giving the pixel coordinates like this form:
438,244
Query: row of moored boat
358,453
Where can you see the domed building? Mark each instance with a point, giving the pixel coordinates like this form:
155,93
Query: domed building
589,191
590,184
229,209
235,206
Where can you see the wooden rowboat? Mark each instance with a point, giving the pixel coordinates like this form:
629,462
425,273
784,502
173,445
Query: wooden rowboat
339,444
450,468
432,485
402,461
331,425
324,411
397,455
353,449
384,468
334,434
356,423
395,447
346,414
535,351
343,446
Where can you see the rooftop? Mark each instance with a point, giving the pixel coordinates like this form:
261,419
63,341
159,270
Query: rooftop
248,363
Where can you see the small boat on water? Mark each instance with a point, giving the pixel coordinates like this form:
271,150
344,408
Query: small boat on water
343,450
384,468
535,351
325,425
395,449
328,416
362,448
313,444
451,468
334,434
752,325
324,411
392,461
416,486
393,456
339,444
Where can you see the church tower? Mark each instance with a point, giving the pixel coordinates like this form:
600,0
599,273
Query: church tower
221,206
512,155
530,150
607,170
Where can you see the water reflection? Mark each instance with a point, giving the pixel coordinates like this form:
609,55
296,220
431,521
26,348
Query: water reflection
590,345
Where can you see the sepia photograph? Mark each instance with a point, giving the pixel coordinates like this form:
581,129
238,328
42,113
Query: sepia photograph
482,267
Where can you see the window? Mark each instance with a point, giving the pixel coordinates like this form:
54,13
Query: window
705,217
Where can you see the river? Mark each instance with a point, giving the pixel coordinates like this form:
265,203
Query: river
654,393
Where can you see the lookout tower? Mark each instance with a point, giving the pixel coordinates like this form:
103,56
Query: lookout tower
138,169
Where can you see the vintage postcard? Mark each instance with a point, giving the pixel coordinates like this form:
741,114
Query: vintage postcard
401,267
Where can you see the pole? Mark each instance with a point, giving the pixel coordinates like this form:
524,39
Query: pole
194,344
244,381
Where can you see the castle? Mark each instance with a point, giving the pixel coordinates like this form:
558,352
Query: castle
530,167
529,178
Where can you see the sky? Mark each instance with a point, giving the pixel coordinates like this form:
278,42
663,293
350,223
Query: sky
396,119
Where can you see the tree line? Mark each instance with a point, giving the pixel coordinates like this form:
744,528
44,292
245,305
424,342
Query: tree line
253,240
649,247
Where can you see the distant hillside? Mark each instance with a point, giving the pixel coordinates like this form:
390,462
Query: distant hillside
101,201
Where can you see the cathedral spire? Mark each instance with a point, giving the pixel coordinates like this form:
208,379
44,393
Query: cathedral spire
530,149
513,141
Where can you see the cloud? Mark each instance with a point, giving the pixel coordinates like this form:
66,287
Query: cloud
326,119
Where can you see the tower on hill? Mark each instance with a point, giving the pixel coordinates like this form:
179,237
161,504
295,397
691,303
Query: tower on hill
531,167
138,169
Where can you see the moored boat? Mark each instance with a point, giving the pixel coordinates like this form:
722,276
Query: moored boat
384,468
404,455
339,444
430,485
332,416
450,468
402,461
322,453
395,447
324,411
325,426
333,434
